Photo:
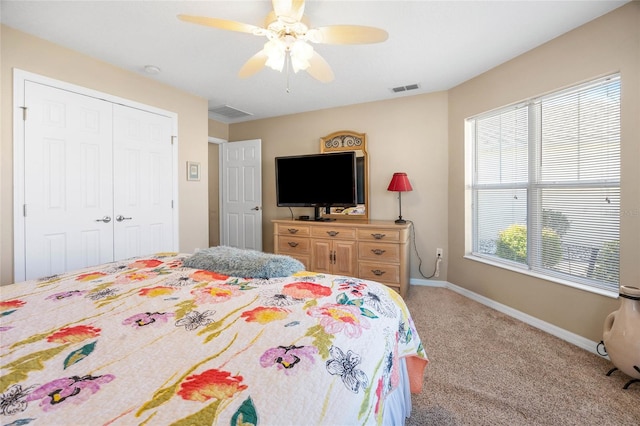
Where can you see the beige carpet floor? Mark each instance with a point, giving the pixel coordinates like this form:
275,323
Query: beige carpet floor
487,368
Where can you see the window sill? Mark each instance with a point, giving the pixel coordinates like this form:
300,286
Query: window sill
575,285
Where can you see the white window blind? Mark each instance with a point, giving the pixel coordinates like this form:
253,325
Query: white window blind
546,184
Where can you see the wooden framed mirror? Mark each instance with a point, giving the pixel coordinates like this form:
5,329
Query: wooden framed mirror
347,140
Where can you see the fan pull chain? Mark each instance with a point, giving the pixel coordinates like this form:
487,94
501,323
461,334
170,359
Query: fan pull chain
287,64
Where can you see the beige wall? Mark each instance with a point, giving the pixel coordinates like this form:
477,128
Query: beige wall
23,51
608,44
218,129
221,131
407,134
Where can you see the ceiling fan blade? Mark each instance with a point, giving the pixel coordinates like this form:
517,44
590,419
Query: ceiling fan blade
319,68
293,9
347,34
253,65
223,24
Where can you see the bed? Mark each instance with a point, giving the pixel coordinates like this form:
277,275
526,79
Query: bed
150,341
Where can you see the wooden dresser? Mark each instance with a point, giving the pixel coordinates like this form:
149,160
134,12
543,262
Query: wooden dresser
371,249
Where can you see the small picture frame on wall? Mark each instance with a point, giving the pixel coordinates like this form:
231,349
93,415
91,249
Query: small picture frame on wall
193,170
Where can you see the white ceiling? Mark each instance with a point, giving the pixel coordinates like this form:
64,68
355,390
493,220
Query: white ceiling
436,44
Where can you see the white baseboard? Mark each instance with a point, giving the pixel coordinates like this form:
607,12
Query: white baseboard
554,330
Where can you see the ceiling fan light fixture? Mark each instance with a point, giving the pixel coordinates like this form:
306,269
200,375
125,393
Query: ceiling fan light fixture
300,53
276,51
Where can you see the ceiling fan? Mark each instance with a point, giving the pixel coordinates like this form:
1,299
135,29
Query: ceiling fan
288,36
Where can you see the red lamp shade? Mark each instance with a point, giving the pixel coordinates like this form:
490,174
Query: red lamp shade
399,183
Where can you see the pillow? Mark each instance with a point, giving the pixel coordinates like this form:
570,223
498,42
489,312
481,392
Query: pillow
244,263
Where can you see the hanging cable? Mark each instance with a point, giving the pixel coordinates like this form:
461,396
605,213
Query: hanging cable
436,267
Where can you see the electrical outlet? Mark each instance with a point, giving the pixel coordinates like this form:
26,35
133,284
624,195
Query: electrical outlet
438,260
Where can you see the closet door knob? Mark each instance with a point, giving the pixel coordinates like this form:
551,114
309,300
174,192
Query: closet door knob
105,219
120,218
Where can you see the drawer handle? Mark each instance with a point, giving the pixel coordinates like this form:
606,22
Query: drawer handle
332,233
292,230
378,236
292,244
378,251
377,272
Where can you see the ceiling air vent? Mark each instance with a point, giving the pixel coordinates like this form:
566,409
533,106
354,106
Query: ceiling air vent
405,88
225,111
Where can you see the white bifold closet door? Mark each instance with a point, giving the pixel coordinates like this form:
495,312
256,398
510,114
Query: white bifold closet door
98,181
142,191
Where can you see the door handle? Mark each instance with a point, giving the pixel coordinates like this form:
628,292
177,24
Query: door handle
105,219
120,218
256,208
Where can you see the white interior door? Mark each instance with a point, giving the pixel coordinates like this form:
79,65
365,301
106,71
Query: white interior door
241,194
68,181
143,178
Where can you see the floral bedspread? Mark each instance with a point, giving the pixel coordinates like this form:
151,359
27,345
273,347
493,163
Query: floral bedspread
150,342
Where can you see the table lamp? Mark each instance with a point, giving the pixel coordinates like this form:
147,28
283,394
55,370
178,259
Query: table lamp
400,183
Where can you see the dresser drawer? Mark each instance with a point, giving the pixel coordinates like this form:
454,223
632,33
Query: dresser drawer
289,244
379,272
287,229
390,235
379,251
335,232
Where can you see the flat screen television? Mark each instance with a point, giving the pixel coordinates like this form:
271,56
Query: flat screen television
316,180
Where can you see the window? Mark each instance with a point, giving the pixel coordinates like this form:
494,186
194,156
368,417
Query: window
545,185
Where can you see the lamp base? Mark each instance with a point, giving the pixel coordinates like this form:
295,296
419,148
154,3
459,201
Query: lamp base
400,221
